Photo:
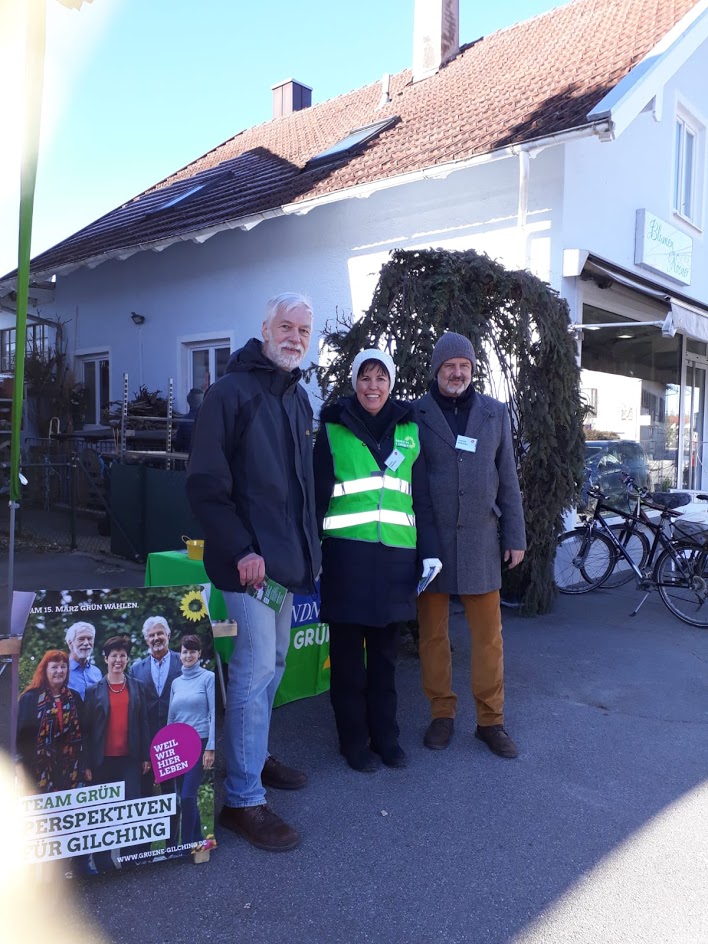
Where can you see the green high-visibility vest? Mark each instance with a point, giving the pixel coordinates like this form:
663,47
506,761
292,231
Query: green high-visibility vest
369,504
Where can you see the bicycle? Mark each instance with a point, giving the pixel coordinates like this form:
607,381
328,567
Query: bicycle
583,563
675,566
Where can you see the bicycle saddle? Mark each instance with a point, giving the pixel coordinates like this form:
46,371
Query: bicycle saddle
670,499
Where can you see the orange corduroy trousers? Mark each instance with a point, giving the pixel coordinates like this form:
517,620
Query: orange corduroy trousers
483,612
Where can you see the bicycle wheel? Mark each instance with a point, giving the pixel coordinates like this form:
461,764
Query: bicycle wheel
583,561
636,544
681,576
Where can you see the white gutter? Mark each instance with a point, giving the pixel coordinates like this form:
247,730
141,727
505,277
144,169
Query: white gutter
598,129
647,79
440,171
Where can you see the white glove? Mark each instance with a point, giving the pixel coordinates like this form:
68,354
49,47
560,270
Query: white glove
431,563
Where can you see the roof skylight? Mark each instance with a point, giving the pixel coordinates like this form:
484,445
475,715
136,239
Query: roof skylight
186,194
180,197
353,140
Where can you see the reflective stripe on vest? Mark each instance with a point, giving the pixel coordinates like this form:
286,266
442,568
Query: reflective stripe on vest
373,482
367,503
366,517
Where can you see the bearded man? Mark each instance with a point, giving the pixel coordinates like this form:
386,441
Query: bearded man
466,439
250,484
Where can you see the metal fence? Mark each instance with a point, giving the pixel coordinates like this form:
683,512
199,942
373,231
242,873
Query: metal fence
83,496
65,502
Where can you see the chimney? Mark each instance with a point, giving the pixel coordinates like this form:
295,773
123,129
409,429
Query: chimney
436,35
290,96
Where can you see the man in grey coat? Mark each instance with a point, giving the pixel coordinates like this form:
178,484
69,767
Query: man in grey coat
156,673
466,439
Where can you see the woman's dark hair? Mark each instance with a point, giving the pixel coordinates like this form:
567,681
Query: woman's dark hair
117,642
193,643
372,362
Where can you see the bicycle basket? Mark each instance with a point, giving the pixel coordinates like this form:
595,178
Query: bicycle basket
694,531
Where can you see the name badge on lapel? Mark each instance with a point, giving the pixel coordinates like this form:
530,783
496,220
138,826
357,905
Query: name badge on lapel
466,443
394,460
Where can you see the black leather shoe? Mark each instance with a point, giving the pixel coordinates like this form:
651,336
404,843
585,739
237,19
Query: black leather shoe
278,776
439,733
497,740
393,756
364,760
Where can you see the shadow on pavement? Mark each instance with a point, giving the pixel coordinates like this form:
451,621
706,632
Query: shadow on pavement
595,834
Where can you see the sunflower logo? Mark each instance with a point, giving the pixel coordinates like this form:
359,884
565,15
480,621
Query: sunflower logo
192,606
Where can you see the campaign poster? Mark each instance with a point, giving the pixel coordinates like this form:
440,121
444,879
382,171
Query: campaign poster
307,669
116,728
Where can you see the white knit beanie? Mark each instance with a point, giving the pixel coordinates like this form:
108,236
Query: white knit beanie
373,354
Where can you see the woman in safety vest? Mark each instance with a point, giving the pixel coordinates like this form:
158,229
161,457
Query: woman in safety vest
376,522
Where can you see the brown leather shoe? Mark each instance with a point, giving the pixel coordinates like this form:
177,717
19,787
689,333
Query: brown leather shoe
280,777
260,826
439,732
496,739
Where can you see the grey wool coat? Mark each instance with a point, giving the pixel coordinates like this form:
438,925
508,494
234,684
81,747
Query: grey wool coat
475,495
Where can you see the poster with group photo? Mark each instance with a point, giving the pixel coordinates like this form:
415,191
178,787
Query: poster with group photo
116,728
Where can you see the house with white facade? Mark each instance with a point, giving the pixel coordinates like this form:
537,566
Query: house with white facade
572,144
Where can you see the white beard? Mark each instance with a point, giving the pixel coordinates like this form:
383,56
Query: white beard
281,357
453,390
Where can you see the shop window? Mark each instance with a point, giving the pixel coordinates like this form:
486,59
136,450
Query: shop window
589,397
688,148
696,347
636,373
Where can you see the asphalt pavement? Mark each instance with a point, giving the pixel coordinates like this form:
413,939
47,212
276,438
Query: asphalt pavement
596,834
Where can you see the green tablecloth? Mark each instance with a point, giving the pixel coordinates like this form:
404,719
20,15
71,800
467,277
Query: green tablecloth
307,665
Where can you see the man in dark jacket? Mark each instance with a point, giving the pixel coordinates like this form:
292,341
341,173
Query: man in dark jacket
466,439
250,484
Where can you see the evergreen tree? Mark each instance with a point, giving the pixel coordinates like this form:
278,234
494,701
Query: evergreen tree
525,356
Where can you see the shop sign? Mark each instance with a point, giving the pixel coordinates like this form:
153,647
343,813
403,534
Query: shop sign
662,248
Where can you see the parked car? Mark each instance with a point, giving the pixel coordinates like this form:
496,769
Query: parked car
606,460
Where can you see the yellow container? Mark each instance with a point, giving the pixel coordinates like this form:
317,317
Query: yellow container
195,549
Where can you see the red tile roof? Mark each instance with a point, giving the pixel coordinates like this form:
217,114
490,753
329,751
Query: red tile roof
533,79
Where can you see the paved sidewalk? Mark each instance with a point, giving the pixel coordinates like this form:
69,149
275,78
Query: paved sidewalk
56,570
595,835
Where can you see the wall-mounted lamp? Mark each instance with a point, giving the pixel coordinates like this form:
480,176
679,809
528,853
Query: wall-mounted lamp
136,318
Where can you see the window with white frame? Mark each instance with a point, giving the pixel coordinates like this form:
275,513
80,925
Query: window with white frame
94,371
688,146
38,342
206,362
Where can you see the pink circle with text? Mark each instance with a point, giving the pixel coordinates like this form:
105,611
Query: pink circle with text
175,749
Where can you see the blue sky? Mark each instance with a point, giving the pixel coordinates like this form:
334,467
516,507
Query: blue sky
135,89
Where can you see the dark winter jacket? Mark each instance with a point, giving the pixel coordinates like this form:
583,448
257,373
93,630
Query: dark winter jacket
475,495
28,728
97,713
366,583
157,706
250,481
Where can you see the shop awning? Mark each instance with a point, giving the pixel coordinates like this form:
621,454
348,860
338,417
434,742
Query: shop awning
686,318
689,321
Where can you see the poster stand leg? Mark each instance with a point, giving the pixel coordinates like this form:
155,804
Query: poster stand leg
222,684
